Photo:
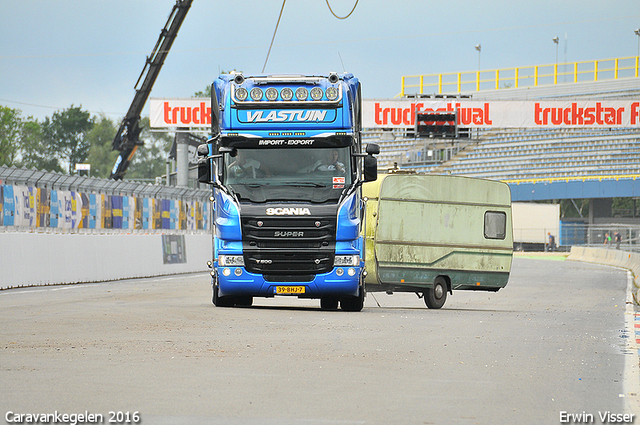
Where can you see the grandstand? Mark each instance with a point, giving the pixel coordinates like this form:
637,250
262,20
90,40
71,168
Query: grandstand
535,154
525,154
540,164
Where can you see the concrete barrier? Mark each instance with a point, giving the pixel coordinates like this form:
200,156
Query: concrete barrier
577,253
33,259
611,257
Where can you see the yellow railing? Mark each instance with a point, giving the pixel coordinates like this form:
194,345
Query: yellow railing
525,76
576,178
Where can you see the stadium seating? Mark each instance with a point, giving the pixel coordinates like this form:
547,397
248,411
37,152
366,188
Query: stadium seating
522,154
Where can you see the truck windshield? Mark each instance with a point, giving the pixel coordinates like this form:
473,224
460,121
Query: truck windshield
260,173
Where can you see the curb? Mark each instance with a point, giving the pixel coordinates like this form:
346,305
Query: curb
631,262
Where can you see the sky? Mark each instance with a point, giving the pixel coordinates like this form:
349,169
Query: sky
90,53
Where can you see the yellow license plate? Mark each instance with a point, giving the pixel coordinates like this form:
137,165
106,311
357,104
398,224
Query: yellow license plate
290,289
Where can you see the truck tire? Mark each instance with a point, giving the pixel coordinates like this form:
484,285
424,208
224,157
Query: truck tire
214,290
436,297
219,301
244,301
353,303
329,303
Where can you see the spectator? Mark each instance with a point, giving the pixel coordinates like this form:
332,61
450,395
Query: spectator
552,242
617,238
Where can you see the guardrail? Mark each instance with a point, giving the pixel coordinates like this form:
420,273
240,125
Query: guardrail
614,236
524,76
39,201
623,259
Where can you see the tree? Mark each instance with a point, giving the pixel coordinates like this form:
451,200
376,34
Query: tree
150,159
574,208
101,156
10,127
206,93
207,90
66,133
34,152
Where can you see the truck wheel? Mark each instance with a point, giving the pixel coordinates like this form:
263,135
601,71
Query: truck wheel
436,297
244,301
353,303
214,289
329,303
219,301
226,302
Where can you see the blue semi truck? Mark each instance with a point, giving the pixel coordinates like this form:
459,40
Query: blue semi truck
286,165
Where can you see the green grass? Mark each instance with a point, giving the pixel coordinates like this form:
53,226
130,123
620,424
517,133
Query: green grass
554,256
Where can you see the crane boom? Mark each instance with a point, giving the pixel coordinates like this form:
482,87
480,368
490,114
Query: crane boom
127,139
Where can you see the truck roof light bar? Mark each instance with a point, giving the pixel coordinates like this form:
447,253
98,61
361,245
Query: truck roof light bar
292,95
287,79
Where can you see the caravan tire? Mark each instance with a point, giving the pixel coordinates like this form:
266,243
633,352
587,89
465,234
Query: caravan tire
436,297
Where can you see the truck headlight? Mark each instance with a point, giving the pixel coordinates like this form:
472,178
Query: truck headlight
230,260
256,93
347,260
332,93
241,94
316,93
286,93
302,93
271,94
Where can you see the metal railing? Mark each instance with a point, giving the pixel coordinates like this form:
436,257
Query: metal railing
519,77
567,179
601,236
40,201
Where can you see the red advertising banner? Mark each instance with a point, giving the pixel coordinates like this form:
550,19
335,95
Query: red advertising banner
505,114
196,112
166,113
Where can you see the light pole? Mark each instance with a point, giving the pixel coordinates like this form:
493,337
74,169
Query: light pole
556,40
478,48
637,32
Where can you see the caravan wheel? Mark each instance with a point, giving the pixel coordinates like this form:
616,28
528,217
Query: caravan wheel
436,297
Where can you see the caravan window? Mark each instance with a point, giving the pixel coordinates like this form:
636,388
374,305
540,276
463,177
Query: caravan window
495,225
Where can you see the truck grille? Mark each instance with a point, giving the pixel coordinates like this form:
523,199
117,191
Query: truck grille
289,245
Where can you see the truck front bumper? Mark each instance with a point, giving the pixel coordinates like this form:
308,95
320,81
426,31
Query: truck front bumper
339,282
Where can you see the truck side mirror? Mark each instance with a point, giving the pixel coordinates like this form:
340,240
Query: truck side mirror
204,165
203,149
205,162
204,170
370,168
373,149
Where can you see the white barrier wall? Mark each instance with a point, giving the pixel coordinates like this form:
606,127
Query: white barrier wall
32,259
611,257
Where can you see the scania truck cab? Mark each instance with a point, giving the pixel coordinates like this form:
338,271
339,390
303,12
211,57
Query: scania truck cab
286,168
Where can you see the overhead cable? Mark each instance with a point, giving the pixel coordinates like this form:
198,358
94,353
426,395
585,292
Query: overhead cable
274,35
342,17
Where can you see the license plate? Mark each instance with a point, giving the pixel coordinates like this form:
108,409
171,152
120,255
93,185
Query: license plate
290,289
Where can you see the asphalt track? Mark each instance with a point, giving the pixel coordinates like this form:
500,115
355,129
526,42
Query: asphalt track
553,341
